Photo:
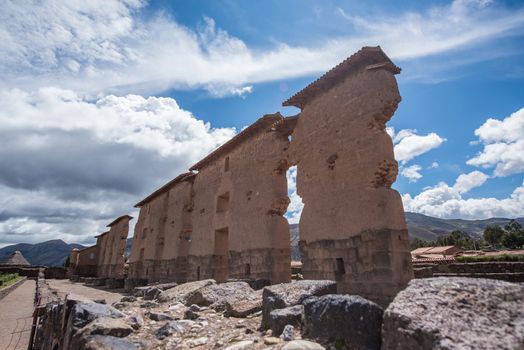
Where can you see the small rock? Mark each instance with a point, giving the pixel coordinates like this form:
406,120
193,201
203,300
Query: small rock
271,340
287,333
197,342
302,345
120,305
191,315
128,299
149,304
136,321
152,293
176,307
172,327
241,345
194,308
159,316
100,301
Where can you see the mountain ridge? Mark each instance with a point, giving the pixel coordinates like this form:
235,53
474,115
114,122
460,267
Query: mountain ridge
48,253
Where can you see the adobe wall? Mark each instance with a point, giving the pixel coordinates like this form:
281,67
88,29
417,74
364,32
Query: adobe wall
161,236
238,226
352,227
87,263
112,248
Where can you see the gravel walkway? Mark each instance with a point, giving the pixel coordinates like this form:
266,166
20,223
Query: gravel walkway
64,287
16,317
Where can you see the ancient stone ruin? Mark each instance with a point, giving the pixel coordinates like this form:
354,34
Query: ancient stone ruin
106,258
224,218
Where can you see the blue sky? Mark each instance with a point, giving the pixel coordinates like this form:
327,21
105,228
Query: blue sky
101,103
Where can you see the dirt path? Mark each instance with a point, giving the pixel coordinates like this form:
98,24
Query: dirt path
65,286
16,316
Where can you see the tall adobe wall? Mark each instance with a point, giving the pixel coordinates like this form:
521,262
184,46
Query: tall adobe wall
352,227
161,239
112,248
240,197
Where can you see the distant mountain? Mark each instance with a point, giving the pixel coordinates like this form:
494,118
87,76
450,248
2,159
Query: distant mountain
429,228
50,253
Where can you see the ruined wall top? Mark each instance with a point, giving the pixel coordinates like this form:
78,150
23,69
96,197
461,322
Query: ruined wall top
261,124
189,176
366,58
114,222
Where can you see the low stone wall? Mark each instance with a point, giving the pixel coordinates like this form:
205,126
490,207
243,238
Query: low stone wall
55,273
30,272
6,290
505,271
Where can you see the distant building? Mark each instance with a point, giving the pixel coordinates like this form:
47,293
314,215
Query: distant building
15,259
428,254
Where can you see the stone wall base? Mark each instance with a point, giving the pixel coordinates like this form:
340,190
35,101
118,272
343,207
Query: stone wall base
373,264
256,264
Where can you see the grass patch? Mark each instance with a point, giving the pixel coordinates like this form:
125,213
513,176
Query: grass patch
491,258
8,279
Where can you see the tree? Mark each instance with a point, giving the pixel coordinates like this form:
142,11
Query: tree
493,234
513,226
419,243
67,262
512,240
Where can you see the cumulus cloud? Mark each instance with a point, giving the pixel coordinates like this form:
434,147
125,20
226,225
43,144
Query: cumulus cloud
110,46
412,173
503,145
70,165
408,145
294,210
466,182
448,202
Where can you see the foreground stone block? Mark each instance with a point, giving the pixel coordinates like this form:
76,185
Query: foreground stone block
248,305
351,318
184,291
288,294
455,313
98,342
217,295
278,319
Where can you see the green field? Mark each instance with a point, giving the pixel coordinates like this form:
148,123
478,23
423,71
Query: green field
8,279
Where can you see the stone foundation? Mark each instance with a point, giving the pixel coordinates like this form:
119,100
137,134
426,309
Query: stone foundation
364,264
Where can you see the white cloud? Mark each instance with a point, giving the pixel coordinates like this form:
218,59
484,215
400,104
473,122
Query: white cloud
503,142
409,145
70,165
412,172
434,165
447,202
108,46
466,182
294,210
155,123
